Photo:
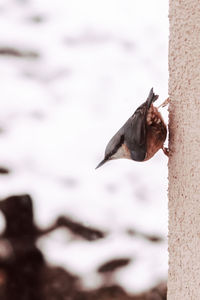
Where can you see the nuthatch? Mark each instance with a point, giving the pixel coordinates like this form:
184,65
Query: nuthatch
141,136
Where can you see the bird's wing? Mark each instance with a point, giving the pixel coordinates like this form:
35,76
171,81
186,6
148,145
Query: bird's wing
135,129
135,133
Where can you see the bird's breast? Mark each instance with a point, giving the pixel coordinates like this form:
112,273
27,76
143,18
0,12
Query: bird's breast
156,132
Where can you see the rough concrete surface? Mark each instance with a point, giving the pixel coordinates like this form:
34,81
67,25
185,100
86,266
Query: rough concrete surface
184,162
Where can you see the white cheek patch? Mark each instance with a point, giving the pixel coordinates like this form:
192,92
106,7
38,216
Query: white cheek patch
118,154
122,152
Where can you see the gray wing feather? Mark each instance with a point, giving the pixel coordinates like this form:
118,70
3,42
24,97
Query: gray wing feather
135,129
135,133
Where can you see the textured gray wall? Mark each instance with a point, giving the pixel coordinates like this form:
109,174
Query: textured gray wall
184,163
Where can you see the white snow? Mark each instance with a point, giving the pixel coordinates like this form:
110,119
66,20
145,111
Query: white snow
97,62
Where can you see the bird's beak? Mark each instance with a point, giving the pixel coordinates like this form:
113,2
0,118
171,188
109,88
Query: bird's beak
102,163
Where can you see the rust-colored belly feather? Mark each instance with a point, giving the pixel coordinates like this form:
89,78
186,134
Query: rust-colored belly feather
156,132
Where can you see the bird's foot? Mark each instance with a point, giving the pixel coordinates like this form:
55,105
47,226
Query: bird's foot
166,151
165,103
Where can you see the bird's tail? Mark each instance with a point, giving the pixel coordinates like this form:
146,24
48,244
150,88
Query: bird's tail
151,98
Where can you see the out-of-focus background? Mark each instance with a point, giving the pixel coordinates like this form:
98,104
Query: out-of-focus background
71,73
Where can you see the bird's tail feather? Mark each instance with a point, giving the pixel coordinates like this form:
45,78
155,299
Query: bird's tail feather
151,98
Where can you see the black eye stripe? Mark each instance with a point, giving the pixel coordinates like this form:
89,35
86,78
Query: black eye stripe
117,146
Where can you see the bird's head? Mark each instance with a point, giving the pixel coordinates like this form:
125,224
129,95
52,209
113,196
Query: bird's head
115,149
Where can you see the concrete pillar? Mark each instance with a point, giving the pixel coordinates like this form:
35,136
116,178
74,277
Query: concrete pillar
184,144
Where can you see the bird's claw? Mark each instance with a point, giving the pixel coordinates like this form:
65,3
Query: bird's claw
165,103
166,151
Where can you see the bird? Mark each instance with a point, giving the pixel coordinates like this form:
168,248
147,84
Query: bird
142,135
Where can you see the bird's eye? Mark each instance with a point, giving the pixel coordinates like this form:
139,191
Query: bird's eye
122,139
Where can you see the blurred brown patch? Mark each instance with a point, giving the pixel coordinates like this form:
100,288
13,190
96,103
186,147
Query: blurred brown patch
9,51
37,19
4,170
151,238
24,273
114,265
85,232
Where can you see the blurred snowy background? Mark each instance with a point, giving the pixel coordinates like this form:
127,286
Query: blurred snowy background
71,73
